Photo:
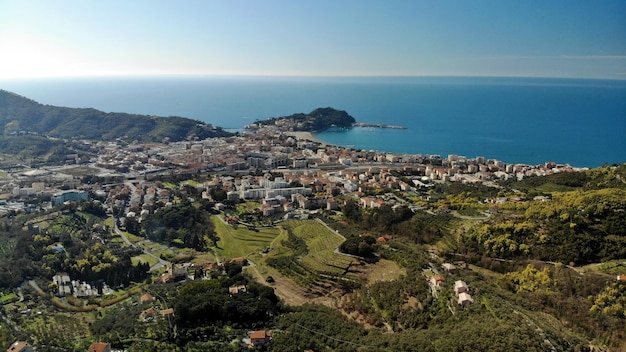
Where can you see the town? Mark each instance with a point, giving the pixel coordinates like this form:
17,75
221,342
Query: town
254,182
240,164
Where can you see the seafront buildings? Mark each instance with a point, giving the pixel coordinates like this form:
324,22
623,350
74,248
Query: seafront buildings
246,166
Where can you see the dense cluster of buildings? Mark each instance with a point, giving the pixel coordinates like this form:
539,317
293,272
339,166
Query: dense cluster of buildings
242,165
272,149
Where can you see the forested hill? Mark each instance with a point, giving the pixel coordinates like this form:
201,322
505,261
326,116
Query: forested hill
317,120
19,115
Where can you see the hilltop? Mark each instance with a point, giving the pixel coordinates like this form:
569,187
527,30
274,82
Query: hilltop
22,116
317,120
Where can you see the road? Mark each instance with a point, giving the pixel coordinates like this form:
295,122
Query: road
36,287
160,262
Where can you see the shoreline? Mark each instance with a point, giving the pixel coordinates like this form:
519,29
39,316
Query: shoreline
305,135
308,136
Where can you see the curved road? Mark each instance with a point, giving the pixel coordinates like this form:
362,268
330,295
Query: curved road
160,262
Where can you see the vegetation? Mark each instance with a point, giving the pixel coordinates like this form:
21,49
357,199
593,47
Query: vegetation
83,255
317,120
241,241
579,226
308,256
19,115
521,266
181,225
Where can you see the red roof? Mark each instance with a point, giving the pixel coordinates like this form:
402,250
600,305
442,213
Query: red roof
260,334
18,346
146,297
169,311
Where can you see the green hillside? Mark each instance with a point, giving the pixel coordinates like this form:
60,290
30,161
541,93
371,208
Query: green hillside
23,116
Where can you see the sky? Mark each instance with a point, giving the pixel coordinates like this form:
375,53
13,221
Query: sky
556,38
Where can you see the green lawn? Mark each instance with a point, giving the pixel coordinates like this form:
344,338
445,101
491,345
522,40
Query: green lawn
132,238
191,183
9,297
144,258
168,185
247,206
241,242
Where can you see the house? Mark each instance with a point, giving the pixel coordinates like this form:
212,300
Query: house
460,287
260,337
163,279
177,273
437,280
465,299
146,297
20,346
449,267
148,313
233,290
100,347
63,196
169,312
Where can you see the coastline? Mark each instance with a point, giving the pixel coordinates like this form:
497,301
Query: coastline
304,135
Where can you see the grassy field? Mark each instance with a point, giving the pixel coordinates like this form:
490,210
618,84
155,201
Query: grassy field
247,206
9,297
613,267
241,242
132,238
191,183
321,243
314,274
144,258
168,185
320,268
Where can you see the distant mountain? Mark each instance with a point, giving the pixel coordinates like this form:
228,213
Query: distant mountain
23,116
317,120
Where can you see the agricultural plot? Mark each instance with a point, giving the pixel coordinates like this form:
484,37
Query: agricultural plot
318,266
240,241
67,331
302,259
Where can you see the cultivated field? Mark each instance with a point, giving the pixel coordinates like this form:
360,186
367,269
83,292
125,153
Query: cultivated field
241,242
321,244
316,275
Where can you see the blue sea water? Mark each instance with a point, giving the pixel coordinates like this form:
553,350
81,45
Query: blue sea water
516,120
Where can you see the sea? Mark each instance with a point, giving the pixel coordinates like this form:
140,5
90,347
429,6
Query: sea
581,122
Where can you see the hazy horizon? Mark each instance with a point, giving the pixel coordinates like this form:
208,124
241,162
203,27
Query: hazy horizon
72,38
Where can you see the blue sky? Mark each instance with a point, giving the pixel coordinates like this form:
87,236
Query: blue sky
573,38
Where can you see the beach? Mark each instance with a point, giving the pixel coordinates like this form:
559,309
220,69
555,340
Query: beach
302,135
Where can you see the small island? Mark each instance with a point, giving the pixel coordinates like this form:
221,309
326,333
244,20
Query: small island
317,120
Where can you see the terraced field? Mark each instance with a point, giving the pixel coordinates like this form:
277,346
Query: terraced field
241,242
320,267
302,260
320,241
